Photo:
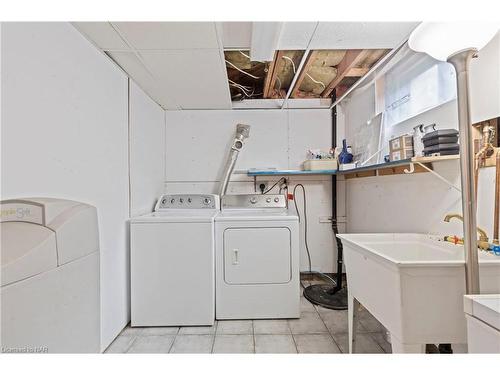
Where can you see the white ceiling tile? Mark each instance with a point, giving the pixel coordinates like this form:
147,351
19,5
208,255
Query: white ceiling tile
296,35
194,79
237,35
358,35
169,35
137,71
102,34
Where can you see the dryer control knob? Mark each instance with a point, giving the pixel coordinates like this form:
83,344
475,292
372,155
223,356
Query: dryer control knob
253,200
276,199
268,200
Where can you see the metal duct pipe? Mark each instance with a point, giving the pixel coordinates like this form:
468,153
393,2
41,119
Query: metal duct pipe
242,133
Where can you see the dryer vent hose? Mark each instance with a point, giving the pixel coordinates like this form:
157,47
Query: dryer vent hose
242,133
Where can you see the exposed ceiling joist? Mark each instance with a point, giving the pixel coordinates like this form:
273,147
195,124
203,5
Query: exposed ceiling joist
357,72
350,60
302,72
271,75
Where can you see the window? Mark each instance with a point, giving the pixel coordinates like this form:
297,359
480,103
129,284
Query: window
416,85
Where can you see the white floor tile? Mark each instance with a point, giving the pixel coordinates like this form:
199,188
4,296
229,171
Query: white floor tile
274,344
309,322
152,344
380,338
149,331
369,322
364,343
234,327
315,343
335,320
305,305
120,345
271,327
233,344
198,330
193,344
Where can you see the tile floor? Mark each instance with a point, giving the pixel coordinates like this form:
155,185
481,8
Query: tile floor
318,330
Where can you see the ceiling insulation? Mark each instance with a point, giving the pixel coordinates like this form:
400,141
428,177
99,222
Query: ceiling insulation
245,77
322,72
285,68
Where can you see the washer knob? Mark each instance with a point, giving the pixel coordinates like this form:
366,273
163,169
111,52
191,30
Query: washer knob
207,200
253,200
268,200
276,199
172,200
163,201
189,200
181,200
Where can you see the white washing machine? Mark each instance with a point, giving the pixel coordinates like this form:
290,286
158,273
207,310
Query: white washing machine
50,294
257,258
172,262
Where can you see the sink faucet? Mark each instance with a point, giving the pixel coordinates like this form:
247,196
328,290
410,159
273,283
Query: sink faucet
483,236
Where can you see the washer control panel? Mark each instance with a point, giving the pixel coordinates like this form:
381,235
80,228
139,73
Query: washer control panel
254,201
187,201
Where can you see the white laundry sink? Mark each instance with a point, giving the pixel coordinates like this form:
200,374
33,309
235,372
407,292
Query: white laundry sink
414,285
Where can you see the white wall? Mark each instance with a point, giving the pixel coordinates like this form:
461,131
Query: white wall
147,151
197,147
65,135
418,203
485,82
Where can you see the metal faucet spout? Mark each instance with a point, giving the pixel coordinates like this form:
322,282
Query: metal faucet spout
483,236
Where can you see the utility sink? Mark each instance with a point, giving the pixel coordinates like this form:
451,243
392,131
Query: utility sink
414,285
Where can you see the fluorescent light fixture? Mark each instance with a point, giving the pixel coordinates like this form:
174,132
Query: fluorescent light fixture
265,38
440,40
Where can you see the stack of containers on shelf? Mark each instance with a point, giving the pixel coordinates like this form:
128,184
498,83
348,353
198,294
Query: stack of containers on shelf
441,142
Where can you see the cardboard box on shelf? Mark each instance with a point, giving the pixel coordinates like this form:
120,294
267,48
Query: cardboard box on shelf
401,154
401,142
401,147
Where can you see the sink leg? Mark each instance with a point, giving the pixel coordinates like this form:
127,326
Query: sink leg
399,348
352,314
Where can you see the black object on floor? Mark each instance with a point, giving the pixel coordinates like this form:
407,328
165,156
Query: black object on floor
327,296
445,349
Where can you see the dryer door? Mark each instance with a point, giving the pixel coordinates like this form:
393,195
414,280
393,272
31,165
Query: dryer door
257,255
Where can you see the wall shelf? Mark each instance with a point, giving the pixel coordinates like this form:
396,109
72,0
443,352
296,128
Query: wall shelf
288,172
416,165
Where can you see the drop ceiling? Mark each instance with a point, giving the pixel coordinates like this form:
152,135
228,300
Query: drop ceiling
181,64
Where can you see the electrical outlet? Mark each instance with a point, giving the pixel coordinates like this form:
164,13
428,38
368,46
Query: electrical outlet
262,186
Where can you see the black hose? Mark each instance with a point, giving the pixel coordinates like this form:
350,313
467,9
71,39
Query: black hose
306,242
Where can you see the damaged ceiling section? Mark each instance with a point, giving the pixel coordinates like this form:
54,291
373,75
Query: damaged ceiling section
298,74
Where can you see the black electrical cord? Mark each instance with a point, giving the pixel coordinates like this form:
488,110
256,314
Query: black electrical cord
272,187
306,242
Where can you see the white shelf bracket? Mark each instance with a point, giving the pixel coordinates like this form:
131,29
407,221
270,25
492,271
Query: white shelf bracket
412,170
